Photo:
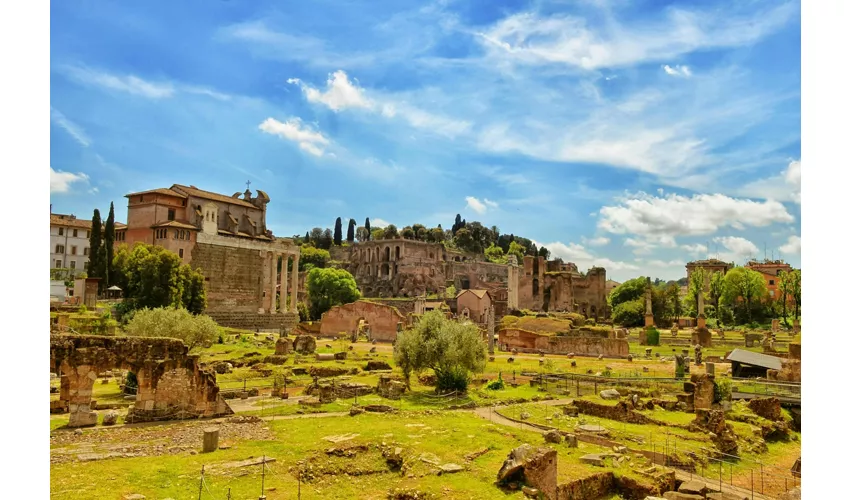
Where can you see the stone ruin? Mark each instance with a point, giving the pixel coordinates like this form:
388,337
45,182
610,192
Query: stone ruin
304,344
535,466
171,382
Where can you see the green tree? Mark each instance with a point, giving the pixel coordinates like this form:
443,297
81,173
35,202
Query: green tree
97,265
408,233
543,252
390,232
368,227
715,291
437,235
675,300
327,239
313,257
377,234
329,287
630,290
744,287
630,313
338,231
495,254
516,250
792,282
452,349
463,239
153,277
352,224
696,284
194,331
362,234
109,246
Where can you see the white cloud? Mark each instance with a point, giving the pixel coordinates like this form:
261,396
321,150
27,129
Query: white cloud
682,71
581,257
792,247
739,248
192,89
785,186
130,83
696,250
378,223
60,182
675,215
596,242
563,39
341,93
641,247
311,141
72,128
480,206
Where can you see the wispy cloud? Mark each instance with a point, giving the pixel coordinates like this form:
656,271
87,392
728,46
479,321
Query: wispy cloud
480,206
340,94
738,248
378,223
60,182
792,247
308,139
532,38
596,242
682,71
123,83
72,128
785,186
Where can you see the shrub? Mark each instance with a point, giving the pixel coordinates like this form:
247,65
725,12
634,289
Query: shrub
508,321
590,322
606,372
194,331
680,371
303,312
653,336
722,390
83,309
131,383
576,318
629,313
496,385
455,378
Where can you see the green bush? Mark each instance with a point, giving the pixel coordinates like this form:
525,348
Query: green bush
653,336
496,385
629,313
452,379
576,318
83,309
722,390
680,371
131,383
194,331
590,322
606,372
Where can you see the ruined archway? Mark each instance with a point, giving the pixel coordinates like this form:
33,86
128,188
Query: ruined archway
386,254
385,270
171,383
382,320
397,252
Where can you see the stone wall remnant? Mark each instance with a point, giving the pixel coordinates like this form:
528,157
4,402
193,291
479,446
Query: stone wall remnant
536,466
171,382
382,319
304,344
519,340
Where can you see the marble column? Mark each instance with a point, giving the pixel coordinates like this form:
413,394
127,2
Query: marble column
293,300
284,284
273,307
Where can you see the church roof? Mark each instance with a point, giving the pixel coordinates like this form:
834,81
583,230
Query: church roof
209,195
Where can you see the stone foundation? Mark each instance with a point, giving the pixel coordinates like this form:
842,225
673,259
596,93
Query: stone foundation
530,342
247,320
383,320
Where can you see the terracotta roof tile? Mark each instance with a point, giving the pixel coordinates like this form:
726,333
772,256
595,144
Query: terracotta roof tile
478,293
164,191
209,195
177,224
67,221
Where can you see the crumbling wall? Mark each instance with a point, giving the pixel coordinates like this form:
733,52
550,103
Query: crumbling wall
171,382
587,488
383,320
590,345
248,320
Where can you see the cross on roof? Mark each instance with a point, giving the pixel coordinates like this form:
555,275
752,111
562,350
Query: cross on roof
248,183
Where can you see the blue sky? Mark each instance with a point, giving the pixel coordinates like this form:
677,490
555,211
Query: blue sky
635,135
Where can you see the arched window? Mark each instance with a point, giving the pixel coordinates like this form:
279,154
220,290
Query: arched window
397,253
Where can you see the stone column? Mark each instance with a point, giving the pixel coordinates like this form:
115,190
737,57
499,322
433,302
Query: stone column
284,284
273,307
700,311
649,320
293,299
80,382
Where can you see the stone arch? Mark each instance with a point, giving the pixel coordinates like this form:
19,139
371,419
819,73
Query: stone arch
386,254
397,252
385,270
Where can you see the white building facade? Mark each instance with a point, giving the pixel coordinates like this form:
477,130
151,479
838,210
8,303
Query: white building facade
69,242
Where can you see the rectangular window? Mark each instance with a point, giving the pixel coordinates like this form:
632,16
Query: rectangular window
58,263
176,234
170,214
88,235
86,251
141,198
60,248
73,264
75,233
61,231
73,250
180,253
771,282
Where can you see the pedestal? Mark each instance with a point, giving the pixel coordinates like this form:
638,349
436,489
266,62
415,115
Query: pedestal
649,320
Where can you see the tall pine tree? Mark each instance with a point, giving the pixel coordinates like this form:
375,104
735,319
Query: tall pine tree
96,253
352,224
338,231
108,245
368,229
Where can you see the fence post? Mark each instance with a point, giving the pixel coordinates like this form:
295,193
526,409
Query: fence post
721,475
201,485
752,488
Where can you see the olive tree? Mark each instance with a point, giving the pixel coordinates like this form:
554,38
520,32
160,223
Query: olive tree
194,331
451,348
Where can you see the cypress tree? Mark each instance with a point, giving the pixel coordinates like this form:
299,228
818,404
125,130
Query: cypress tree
338,231
351,227
368,229
109,244
96,257
307,237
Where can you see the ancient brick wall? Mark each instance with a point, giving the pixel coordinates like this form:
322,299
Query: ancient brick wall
235,277
404,305
383,319
587,488
527,341
172,383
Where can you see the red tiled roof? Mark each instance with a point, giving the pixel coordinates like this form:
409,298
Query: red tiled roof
478,293
67,221
165,191
209,195
177,224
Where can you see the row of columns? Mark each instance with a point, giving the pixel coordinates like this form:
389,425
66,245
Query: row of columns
293,298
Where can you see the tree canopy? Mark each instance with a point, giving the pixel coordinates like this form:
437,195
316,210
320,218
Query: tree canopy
313,257
744,290
194,331
632,289
451,348
329,287
152,277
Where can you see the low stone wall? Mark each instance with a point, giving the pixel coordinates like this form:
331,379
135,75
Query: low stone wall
404,306
527,341
587,488
253,320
